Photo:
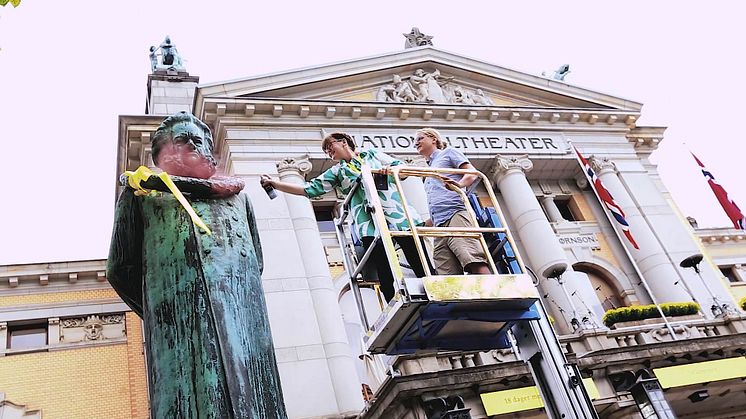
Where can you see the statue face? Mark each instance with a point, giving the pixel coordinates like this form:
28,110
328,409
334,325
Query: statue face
188,154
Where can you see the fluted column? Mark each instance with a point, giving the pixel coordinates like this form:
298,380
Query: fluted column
651,259
339,358
543,252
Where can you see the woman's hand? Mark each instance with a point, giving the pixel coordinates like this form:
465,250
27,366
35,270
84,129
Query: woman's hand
266,180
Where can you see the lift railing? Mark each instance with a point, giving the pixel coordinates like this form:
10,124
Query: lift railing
384,235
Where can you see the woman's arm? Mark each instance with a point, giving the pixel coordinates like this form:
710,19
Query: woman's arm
287,187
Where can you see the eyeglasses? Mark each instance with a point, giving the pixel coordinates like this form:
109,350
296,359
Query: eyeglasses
328,149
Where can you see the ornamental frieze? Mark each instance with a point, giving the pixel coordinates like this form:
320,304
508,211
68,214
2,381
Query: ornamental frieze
430,87
92,328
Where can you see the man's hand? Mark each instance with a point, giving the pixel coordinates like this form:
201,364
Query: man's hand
429,222
450,182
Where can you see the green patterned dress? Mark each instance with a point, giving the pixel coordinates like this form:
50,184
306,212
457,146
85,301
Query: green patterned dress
342,177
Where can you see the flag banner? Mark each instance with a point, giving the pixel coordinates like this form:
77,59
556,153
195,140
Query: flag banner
731,209
605,196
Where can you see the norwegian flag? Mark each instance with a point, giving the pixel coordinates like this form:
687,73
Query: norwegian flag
606,198
730,207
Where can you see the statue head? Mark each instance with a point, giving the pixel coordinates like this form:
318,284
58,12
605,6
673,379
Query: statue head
419,72
397,79
182,146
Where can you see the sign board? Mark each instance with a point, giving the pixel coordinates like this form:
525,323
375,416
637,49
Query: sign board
524,398
701,372
472,142
579,240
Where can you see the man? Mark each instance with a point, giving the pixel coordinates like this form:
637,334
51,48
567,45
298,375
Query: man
452,255
198,291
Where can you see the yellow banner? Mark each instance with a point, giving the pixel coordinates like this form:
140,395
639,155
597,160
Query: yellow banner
701,372
476,287
524,398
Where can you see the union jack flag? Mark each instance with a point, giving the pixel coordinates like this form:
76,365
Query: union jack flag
606,198
730,207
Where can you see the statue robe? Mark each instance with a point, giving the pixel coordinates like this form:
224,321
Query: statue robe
208,343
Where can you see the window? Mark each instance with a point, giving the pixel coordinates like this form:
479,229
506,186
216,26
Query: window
568,208
27,336
730,273
324,218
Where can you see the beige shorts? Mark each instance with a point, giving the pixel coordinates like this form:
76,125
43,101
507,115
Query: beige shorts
452,254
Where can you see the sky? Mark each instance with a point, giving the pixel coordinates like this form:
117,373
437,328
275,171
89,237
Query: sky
69,69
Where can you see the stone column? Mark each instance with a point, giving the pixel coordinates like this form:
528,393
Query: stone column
414,188
3,337
542,251
339,358
651,259
551,208
53,335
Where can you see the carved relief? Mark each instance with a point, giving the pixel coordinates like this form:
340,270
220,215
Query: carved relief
430,87
92,328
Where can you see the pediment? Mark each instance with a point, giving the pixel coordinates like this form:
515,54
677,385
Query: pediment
417,75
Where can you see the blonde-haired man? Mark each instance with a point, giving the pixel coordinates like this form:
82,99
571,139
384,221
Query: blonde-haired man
452,255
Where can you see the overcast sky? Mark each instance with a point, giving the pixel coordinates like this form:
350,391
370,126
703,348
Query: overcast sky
68,69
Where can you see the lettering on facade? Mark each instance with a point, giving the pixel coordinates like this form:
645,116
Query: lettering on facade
468,142
579,240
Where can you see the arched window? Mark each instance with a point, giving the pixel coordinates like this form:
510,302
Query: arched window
604,285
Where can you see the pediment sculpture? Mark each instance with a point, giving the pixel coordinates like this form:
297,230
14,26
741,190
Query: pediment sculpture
430,87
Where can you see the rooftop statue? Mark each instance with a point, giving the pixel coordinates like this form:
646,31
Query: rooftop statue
415,38
560,73
170,58
197,287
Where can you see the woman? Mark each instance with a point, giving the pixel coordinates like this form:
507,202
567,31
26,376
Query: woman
342,176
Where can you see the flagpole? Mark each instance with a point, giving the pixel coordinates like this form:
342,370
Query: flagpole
621,241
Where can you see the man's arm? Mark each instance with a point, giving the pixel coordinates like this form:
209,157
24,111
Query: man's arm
468,179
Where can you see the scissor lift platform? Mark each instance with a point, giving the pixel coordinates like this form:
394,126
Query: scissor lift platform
422,321
462,312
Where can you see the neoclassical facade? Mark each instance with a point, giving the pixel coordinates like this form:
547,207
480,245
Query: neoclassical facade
518,128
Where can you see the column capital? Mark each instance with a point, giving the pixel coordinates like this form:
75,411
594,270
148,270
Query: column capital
582,181
504,165
601,165
300,164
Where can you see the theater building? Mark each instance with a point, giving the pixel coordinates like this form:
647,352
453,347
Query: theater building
81,343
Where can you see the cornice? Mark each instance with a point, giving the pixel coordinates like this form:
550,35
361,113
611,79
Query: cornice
57,276
645,139
719,236
291,111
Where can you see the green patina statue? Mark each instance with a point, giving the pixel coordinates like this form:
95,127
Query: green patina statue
208,342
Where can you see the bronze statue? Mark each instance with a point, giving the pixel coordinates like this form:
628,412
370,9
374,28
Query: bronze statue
199,292
170,57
